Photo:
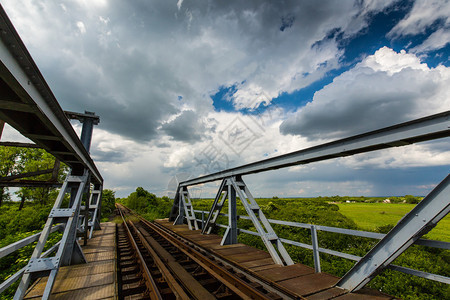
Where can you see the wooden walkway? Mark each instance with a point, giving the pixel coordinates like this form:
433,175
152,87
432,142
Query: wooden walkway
94,280
97,278
298,278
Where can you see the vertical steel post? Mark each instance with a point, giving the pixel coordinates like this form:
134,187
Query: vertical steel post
230,236
2,125
179,200
203,219
315,245
86,131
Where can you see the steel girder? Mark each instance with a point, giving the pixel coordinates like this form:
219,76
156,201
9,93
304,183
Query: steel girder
230,188
28,104
69,251
424,129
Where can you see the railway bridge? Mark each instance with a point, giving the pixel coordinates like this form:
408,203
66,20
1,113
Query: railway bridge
180,257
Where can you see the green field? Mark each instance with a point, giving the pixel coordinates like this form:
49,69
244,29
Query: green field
369,216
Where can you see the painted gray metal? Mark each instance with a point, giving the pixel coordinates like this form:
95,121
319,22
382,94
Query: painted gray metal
262,225
367,234
422,218
26,241
315,246
430,243
28,104
69,250
16,276
216,207
424,129
94,209
188,211
430,276
231,233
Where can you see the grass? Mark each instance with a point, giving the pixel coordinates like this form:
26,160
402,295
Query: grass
369,216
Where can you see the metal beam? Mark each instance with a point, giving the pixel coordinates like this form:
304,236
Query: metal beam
30,183
30,101
421,219
424,129
27,174
19,144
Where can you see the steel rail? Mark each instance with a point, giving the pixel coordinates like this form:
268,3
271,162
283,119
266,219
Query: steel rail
424,129
254,277
238,286
149,282
168,277
28,104
190,284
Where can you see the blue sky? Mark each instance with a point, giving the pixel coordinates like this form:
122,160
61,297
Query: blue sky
184,88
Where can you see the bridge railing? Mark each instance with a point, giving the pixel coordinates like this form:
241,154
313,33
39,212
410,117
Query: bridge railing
11,248
316,249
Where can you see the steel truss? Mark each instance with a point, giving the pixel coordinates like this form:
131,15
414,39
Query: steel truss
419,221
28,104
235,186
414,225
186,211
69,251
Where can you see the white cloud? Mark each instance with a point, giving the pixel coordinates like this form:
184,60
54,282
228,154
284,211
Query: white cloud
423,16
179,3
81,27
131,63
384,89
437,40
391,62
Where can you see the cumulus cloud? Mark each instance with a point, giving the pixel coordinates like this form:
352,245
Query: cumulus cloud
148,70
384,89
136,59
426,15
187,127
81,27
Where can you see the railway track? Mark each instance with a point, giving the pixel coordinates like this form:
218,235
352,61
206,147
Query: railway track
155,263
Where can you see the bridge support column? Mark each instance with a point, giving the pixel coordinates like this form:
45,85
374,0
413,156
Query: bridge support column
69,251
231,233
235,187
185,209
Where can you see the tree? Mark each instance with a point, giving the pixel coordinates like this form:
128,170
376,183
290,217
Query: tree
140,199
38,159
16,160
108,202
9,165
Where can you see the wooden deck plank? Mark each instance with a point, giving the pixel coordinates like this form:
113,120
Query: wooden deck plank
328,294
284,273
309,284
94,280
297,278
246,257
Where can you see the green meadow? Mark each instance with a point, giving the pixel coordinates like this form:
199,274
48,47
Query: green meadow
369,216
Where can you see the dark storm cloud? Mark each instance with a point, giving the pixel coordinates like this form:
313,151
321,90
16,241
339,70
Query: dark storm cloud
186,127
109,156
130,61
